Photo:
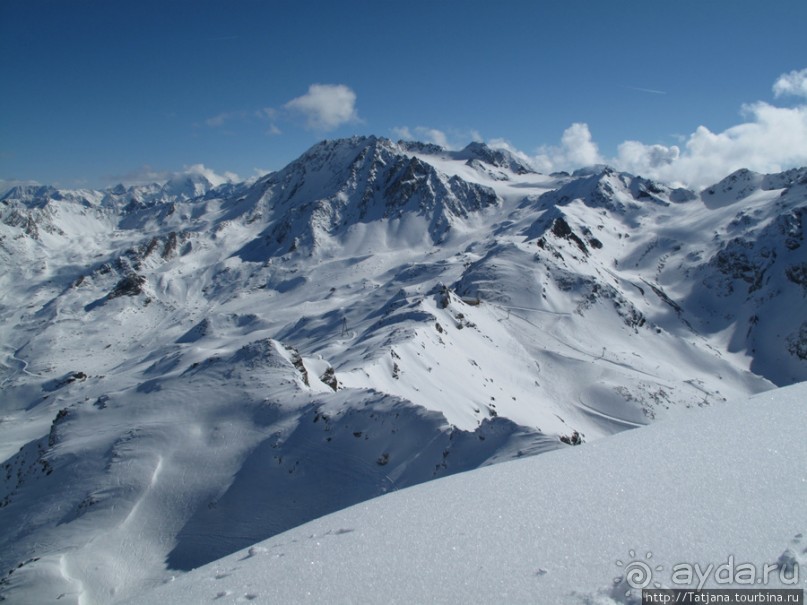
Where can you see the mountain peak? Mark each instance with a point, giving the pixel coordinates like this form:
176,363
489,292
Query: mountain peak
500,158
29,192
424,148
186,186
338,184
741,183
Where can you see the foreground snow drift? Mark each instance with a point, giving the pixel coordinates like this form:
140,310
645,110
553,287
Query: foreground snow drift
722,484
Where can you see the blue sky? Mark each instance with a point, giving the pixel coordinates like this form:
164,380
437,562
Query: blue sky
95,92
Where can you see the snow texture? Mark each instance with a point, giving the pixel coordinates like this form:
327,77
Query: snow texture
564,527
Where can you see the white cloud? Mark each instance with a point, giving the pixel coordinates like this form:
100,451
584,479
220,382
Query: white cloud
241,116
577,149
432,135
638,158
217,120
793,83
326,106
141,176
403,133
578,145
769,139
226,116
146,175
436,136
268,113
211,175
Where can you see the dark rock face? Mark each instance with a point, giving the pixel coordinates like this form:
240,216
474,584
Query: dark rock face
130,285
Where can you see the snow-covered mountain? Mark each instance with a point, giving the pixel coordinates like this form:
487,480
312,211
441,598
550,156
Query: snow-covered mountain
189,369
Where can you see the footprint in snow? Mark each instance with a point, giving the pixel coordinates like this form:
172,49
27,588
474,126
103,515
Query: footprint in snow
797,541
790,560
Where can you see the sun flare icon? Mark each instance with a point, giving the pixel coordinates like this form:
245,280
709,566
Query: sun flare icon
637,572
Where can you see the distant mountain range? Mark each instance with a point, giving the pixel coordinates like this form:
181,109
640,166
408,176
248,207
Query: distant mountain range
188,369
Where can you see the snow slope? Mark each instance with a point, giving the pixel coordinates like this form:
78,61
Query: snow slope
730,481
188,369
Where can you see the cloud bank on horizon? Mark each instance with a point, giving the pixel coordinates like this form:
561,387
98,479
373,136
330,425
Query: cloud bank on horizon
770,139
147,175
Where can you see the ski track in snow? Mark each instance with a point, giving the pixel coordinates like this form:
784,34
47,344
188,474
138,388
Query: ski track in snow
23,369
146,492
566,344
616,420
